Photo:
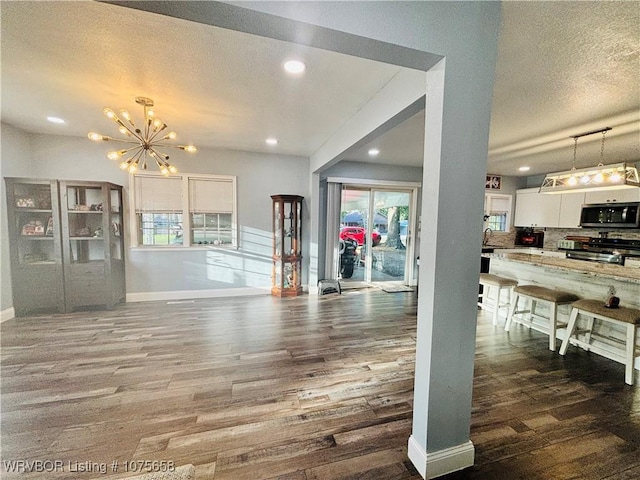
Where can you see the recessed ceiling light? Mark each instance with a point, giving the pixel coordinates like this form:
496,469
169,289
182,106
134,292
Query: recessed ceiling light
271,141
55,120
524,169
295,67
373,152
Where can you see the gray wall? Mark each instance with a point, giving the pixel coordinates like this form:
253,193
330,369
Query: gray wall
172,270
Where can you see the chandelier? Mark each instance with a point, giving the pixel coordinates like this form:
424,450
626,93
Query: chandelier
601,177
145,139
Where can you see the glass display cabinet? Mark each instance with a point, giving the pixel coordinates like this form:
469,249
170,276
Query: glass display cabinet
287,245
66,244
92,243
35,245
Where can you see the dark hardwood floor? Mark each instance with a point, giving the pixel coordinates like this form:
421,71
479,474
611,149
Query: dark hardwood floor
294,388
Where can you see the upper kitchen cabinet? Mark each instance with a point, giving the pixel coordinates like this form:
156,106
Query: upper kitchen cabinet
610,196
541,210
570,208
534,209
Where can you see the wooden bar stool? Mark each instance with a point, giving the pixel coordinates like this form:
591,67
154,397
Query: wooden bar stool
488,281
534,294
629,318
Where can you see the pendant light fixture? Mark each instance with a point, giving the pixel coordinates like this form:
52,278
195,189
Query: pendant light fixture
145,139
601,177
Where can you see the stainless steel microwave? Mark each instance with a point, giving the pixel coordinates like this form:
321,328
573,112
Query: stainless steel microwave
611,215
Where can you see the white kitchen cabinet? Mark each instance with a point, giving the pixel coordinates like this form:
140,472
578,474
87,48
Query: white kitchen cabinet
609,196
570,208
534,209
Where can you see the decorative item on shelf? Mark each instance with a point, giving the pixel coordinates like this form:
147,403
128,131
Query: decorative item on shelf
83,232
115,228
146,140
49,229
33,228
82,208
25,201
601,177
97,207
98,232
612,300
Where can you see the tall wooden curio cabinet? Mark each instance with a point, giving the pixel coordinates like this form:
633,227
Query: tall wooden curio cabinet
287,245
66,244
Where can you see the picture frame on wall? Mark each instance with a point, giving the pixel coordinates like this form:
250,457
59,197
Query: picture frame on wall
493,182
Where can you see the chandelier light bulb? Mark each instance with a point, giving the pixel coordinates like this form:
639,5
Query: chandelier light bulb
170,136
115,155
173,169
96,137
573,181
598,178
109,113
585,179
615,177
188,148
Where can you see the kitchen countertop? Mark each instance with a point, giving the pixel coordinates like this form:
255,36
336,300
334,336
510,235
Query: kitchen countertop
604,270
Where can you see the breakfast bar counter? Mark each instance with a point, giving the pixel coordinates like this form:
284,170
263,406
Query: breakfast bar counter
586,279
585,269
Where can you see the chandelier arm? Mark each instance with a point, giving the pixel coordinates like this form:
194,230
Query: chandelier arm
180,147
120,123
157,132
123,140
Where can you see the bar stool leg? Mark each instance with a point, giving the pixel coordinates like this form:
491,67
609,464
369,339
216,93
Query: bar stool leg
512,308
630,357
570,328
497,306
553,312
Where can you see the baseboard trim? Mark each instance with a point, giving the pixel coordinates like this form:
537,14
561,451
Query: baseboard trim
7,314
442,462
188,294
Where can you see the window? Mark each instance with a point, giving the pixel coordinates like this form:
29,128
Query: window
497,211
183,210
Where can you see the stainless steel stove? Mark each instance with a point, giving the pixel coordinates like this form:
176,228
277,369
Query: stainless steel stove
606,250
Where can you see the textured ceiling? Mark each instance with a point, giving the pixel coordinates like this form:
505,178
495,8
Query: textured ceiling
563,68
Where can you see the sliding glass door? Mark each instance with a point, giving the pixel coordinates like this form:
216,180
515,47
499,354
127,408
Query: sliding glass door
375,235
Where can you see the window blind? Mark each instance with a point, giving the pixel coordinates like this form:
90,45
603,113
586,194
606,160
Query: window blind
158,194
210,195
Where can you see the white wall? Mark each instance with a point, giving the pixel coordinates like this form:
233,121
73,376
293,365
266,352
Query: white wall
175,273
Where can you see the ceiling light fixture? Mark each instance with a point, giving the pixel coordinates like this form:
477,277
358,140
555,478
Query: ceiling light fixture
271,141
55,120
524,168
146,140
373,152
601,177
296,67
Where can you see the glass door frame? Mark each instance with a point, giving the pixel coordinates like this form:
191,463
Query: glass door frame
412,230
